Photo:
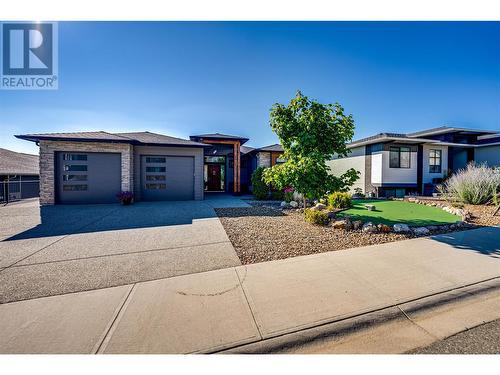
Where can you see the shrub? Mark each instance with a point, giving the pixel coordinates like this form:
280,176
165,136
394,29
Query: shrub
260,189
475,184
358,192
316,217
288,193
339,200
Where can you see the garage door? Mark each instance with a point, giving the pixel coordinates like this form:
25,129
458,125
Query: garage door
167,178
87,177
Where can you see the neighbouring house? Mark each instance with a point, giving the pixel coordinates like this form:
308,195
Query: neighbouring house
92,167
394,164
18,175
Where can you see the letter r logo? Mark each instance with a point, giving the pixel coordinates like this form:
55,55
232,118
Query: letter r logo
27,48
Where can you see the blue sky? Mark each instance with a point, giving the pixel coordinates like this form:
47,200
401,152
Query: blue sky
188,78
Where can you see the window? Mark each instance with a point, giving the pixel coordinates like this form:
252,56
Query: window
74,177
74,187
399,157
155,177
156,186
155,169
434,161
79,168
74,157
152,159
215,159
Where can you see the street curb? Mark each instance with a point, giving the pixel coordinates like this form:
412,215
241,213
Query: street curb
345,327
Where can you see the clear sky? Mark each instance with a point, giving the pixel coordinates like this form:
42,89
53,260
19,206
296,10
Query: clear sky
188,78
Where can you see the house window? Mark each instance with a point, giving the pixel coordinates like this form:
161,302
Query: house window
74,177
74,157
74,187
434,161
155,169
399,157
154,159
155,177
156,186
215,159
79,168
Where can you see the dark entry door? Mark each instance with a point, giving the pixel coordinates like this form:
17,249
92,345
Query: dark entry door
88,177
214,177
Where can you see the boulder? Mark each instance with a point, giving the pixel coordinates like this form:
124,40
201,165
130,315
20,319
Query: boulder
453,226
370,228
283,204
401,228
384,228
370,207
332,214
294,204
433,228
320,206
421,231
339,224
357,224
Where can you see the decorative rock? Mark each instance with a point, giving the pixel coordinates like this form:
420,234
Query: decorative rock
384,228
332,215
370,207
421,231
453,226
433,228
357,225
401,228
283,204
444,227
370,228
339,224
294,204
319,207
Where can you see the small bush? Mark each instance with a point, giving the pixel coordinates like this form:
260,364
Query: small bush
260,189
476,184
340,200
358,192
316,217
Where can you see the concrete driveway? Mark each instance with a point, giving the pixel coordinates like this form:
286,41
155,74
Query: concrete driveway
61,249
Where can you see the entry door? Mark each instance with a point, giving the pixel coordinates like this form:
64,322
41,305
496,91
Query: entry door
214,177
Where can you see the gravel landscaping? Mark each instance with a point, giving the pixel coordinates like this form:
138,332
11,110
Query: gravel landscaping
262,233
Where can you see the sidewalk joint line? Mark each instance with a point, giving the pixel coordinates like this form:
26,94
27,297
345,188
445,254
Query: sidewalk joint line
114,321
246,299
415,323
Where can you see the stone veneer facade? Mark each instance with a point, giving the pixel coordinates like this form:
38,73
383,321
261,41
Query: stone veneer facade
47,166
264,159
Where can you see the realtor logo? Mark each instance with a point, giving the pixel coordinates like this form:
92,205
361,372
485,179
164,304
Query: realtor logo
29,56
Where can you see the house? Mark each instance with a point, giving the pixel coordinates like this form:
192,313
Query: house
92,167
395,164
18,175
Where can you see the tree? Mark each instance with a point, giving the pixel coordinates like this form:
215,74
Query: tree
310,133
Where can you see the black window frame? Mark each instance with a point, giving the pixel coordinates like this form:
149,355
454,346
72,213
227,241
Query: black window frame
433,166
75,168
399,151
74,157
156,169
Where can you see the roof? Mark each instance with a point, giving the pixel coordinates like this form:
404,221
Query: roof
418,137
271,148
145,138
246,149
219,136
449,129
16,163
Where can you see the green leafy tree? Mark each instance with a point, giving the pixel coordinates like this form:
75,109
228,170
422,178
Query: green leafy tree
310,133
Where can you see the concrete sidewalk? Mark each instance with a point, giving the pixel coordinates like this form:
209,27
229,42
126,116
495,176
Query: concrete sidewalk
217,310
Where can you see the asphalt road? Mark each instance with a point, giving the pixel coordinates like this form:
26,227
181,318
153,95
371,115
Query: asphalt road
484,339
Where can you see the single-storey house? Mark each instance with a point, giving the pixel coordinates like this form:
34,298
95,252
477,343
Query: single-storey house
92,167
396,164
18,175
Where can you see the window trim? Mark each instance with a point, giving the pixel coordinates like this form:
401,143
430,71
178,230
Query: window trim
436,158
398,150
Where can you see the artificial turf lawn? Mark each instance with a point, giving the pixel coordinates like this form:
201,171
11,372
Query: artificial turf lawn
392,212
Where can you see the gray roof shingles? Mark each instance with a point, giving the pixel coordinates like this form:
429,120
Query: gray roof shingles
132,137
16,163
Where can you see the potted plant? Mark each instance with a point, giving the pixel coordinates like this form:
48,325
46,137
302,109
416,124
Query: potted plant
125,197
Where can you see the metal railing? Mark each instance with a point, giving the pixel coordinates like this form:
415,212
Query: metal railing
17,189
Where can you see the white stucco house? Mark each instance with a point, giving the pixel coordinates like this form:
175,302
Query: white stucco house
395,164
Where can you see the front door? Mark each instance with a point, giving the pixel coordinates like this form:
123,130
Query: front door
214,177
